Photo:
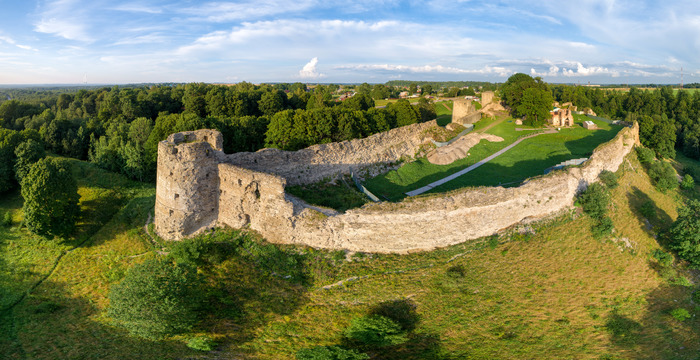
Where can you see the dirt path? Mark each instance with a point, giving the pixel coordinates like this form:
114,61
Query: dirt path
446,107
498,121
470,168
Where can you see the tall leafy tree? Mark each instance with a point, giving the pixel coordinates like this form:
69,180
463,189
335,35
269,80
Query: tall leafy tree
685,233
535,105
50,198
28,153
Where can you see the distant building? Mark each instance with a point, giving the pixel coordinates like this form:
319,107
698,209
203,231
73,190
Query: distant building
590,125
403,94
561,117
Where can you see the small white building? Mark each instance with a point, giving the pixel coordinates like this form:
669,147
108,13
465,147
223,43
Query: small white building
590,125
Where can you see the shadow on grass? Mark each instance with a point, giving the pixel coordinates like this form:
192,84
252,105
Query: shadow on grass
251,282
645,208
495,173
657,334
53,324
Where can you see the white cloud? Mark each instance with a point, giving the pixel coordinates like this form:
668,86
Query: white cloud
138,8
309,71
589,71
245,10
64,18
553,71
497,70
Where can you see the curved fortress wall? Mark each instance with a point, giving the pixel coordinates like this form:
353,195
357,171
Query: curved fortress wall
256,199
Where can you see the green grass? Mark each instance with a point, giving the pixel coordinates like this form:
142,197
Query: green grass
341,195
555,294
529,158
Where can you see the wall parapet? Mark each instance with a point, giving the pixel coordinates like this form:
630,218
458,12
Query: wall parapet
256,199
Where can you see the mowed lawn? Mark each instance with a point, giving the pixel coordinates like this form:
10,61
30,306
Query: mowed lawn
529,158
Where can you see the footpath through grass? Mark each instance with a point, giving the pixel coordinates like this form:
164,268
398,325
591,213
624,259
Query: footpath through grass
527,159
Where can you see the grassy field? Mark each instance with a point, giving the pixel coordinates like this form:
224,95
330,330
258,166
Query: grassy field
527,159
555,294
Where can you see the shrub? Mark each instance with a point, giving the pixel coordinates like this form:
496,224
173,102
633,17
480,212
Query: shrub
687,182
156,299
7,219
684,233
665,259
603,227
330,353
680,314
375,331
608,178
696,297
663,175
595,201
645,155
648,209
201,343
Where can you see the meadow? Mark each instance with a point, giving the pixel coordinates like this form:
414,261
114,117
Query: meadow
529,158
549,290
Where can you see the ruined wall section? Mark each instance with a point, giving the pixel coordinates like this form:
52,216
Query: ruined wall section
187,191
486,98
424,223
464,112
241,197
324,161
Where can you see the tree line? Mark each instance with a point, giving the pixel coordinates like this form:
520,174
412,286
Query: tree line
119,128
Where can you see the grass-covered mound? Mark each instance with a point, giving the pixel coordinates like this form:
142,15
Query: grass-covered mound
549,291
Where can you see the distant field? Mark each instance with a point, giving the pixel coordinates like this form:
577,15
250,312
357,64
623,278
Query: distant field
527,159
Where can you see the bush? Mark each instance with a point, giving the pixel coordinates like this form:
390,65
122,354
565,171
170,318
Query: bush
201,343
665,259
696,297
156,299
7,219
375,331
330,353
684,233
203,249
680,314
608,178
687,182
595,201
663,175
645,155
603,227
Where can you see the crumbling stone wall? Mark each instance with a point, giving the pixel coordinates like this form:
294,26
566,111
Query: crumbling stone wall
464,112
486,98
256,199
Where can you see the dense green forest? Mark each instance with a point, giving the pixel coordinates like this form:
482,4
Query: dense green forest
119,128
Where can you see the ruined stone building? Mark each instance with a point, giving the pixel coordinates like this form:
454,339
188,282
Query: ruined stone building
561,117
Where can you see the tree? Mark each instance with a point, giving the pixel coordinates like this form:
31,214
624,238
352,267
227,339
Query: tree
685,233
413,88
156,299
28,153
535,105
50,198
426,90
663,175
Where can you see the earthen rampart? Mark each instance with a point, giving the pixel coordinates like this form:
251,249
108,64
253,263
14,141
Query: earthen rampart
257,200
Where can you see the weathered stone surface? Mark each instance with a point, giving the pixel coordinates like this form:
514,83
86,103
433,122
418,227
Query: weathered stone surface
238,196
464,112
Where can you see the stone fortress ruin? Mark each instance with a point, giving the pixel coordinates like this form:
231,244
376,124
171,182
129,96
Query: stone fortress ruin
199,187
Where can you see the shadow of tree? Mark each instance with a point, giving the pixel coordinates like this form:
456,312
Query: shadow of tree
645,208
52,324
657,334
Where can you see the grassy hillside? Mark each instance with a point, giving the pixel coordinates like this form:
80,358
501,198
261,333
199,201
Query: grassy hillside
550,291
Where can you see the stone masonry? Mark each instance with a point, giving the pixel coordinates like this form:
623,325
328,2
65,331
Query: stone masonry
200,187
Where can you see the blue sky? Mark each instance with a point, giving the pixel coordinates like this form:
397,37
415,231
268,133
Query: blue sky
108,42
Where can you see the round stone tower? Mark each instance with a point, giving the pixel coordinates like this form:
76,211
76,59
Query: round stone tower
187,185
